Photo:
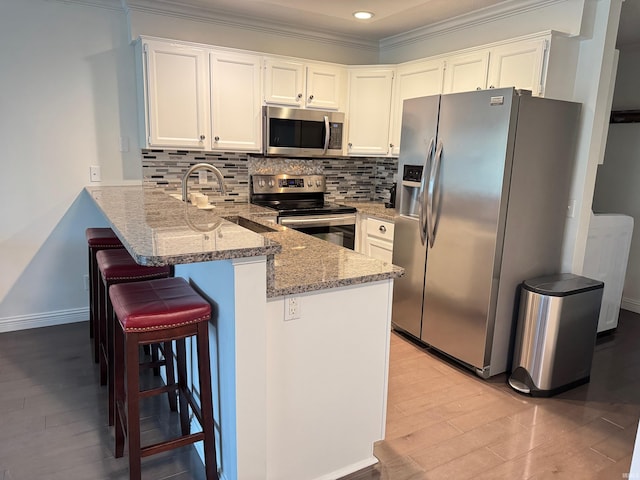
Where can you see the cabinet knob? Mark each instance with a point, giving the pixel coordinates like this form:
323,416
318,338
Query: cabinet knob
202,137
478,88
382,229
310,97
299,96
491,86
391,145
216,138
350,144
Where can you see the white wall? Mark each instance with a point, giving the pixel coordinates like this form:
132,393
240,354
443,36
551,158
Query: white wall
68,94
617,181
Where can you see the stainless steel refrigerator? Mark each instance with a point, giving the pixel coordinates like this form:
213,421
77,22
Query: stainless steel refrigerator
484,182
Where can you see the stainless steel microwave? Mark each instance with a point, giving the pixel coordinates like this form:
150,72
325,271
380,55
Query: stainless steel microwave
296,132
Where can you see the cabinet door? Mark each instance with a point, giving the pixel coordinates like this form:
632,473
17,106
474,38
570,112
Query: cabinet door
324,85
466,72
369,111
380,249
235,102
518,65
378,241
411,81
283,82
177,95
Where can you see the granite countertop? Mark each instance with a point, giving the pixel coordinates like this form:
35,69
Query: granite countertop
373,209
158,229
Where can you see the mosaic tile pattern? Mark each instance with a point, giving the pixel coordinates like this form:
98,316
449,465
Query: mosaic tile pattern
357,179
165,168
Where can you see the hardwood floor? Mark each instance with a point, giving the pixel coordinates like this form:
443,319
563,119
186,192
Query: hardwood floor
442,423
445,423
53,414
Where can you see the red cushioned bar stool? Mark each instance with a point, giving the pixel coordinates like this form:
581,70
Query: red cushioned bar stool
159,311
114,267
97,239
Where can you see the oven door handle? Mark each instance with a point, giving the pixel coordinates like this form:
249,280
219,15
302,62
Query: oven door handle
324,221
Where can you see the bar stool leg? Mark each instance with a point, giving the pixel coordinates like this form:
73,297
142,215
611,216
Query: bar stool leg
206,401
182,385
119,395
133,406
101,335
169,371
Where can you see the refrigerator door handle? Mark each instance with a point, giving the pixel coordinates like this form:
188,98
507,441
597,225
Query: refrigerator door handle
432,194
423,218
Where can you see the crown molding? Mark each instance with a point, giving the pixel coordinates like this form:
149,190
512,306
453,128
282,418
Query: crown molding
115,5
174,9
502,10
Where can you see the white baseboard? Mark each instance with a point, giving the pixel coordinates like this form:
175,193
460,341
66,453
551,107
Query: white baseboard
630,304
46,319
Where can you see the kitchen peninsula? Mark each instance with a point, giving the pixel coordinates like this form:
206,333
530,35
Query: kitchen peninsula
299,387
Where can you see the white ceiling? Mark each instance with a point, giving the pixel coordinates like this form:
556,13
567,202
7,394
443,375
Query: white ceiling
392,17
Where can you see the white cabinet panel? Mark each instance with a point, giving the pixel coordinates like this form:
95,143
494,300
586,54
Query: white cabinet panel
466,72
411,81
324,87
297,84
379,239
284,82
176,95
235,102
518,65
369,111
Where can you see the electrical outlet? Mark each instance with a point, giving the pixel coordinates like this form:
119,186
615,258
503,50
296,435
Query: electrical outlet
85,279
94,173
202,177
291,308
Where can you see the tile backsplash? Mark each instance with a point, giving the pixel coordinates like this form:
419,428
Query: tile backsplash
348,178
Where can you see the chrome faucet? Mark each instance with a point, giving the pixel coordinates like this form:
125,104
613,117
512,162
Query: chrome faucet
202,166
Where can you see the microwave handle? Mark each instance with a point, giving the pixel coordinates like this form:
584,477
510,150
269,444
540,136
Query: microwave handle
327,133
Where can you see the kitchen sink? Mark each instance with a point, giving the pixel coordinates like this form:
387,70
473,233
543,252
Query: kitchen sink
249,224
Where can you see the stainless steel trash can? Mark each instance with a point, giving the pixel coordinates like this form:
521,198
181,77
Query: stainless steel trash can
556,333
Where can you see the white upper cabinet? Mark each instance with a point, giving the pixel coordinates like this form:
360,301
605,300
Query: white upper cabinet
518,64
236,121
411,81
369,110
284,82
325,84
466,72
289,82
176,95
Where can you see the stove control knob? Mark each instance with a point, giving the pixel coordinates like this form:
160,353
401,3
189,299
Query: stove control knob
318,183
261,182
309,183
272,183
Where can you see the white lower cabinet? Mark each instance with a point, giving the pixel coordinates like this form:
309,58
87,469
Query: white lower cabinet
376,238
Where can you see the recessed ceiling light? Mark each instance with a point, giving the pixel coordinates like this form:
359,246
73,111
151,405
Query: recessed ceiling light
363,15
